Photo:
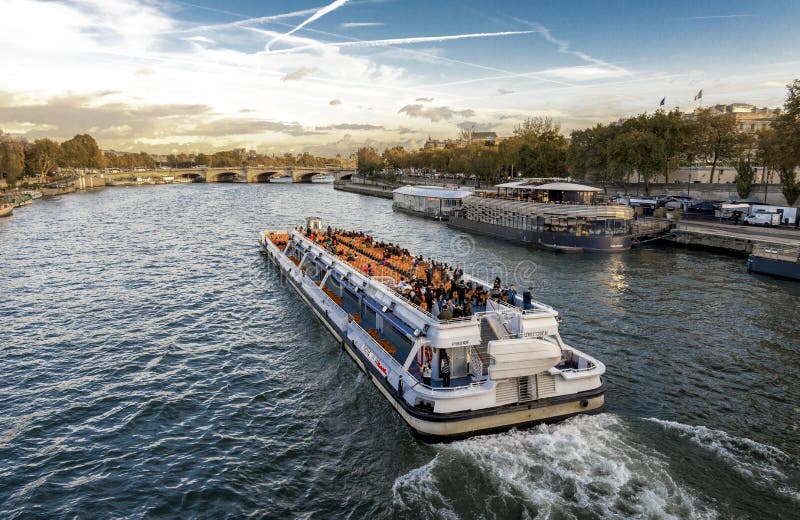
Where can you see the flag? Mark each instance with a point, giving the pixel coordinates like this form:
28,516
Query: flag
699,95
662,102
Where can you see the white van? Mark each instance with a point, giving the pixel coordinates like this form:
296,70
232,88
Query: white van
763,219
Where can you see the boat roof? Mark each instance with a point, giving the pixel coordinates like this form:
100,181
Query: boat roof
548,209
433,191
558,186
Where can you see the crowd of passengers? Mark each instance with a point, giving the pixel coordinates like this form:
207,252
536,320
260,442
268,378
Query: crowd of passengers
443,292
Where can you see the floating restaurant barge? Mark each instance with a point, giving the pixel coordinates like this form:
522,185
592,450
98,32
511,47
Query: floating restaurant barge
428,201
509,367
561,216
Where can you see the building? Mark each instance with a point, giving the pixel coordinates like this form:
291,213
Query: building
749,118
439,144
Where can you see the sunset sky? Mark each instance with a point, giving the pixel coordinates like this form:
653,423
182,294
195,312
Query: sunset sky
328,76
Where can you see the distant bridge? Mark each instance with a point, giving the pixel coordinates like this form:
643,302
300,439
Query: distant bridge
252,174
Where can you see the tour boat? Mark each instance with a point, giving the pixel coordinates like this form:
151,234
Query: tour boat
509,366
6,209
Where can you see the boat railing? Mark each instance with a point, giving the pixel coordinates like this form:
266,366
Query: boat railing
786,253
475,363
376,348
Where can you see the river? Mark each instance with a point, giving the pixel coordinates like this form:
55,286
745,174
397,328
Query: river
153,364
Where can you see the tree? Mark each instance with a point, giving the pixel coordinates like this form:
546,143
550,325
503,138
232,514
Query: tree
640,151
674,133
81,152
368,161
791,189
787,147
716,138
588,157
745,175
12,158
396,157
537,149
41,157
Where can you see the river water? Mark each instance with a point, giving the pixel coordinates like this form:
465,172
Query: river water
152,364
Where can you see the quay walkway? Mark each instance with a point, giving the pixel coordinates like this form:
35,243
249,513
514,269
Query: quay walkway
738,240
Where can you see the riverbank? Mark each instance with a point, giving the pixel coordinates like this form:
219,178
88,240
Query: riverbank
374,190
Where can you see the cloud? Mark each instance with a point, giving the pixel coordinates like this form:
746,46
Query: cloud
435,114
361,24
774,84
478,127
398,41
425,99
334,102
298,74
144,72
347,144
402,130
504,92
199,39
74,114
232,126
316,16
351,126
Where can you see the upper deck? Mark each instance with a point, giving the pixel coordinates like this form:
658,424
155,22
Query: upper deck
423,284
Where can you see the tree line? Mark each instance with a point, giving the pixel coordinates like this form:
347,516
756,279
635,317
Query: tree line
537,149
45,157
647,146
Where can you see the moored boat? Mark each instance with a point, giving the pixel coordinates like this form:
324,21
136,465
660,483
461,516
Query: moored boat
495,363
6,209
775,260
428,201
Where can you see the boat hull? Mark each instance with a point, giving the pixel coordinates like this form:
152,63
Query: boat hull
556,241
6,211
438,427
772,267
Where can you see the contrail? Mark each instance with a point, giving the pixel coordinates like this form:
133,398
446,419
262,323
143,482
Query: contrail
720,16
398,41
247,21
316,16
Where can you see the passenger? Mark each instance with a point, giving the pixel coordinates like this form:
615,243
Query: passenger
527,299
468,358
444,370
512,296
426,373
435,308
446,313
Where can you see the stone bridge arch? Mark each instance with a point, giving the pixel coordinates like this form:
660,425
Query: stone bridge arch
222,176
260,176
191,177
305,175
344,175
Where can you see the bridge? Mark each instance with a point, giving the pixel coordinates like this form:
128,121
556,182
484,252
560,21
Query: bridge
251,174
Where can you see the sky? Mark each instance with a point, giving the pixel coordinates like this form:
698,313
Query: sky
329,76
